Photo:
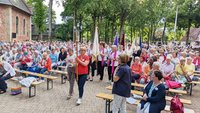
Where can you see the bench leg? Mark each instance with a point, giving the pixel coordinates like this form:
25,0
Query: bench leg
190,89
107,110
63,80
48,81
30,91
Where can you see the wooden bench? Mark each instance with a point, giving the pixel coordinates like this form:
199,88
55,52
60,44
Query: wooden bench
62,73
168,98
191,86
170,90
48,77
62,67
33,85
109,99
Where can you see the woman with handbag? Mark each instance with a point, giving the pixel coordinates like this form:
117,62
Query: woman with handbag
153,100
122,85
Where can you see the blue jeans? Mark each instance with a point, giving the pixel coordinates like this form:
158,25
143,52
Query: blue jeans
81,82
41,71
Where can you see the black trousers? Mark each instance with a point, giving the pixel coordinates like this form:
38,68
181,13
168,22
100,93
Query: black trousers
93,66
101,69
110,75
3,84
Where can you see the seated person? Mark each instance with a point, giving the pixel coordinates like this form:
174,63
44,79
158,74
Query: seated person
45,64
190,68
180,71
145,70
168,69
54,58
26,60
6,72
153,100
136,69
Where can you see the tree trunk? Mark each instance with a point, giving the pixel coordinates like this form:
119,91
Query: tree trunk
50,19
131,34
80,28
41,37
188,32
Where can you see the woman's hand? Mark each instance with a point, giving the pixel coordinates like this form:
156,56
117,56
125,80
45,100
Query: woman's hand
145,97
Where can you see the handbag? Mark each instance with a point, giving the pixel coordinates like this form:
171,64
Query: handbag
16,90
172,84
176,106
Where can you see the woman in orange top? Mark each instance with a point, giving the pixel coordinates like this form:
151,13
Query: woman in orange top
83,62
136,69
145,71
45,64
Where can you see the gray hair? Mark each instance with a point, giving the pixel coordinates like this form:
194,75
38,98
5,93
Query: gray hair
156,64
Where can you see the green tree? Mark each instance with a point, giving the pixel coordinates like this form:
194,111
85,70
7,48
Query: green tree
39,17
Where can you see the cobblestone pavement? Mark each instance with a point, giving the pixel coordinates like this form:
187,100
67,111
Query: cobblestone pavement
54,100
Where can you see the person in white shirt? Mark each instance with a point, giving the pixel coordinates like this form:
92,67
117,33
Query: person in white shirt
6,72
101,60
168,69
113,62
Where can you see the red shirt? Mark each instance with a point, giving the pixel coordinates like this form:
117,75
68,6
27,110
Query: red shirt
83,69
46,63
137,68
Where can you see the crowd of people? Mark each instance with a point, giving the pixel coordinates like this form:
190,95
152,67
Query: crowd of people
133,63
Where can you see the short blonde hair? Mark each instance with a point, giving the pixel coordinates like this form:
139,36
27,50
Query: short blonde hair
123,58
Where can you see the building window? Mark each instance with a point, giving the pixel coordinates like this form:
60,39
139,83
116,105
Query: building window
17,25
24,26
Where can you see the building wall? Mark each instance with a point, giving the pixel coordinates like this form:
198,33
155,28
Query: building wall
4,23
21,16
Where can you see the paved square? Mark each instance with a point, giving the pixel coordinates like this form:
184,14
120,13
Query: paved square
54,100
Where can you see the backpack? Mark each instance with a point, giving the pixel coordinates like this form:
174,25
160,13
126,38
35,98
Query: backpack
176,105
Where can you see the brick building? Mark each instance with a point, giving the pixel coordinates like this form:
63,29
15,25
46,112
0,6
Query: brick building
15,20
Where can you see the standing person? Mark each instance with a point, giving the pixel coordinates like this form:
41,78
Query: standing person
113,62
153,100
92,63
122,85
6,72
70,61
83,61
101,60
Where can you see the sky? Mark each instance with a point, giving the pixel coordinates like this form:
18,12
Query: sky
57,9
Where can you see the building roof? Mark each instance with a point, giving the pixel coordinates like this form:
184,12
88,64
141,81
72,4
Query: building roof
194,35
20,4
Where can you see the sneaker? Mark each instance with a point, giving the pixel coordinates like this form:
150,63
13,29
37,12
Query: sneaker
78,102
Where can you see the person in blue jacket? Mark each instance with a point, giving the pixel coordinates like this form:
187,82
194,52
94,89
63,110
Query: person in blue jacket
153,100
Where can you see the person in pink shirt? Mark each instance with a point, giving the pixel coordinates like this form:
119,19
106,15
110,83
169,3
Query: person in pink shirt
196,61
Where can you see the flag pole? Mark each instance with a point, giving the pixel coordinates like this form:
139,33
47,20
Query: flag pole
175,23
76,54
